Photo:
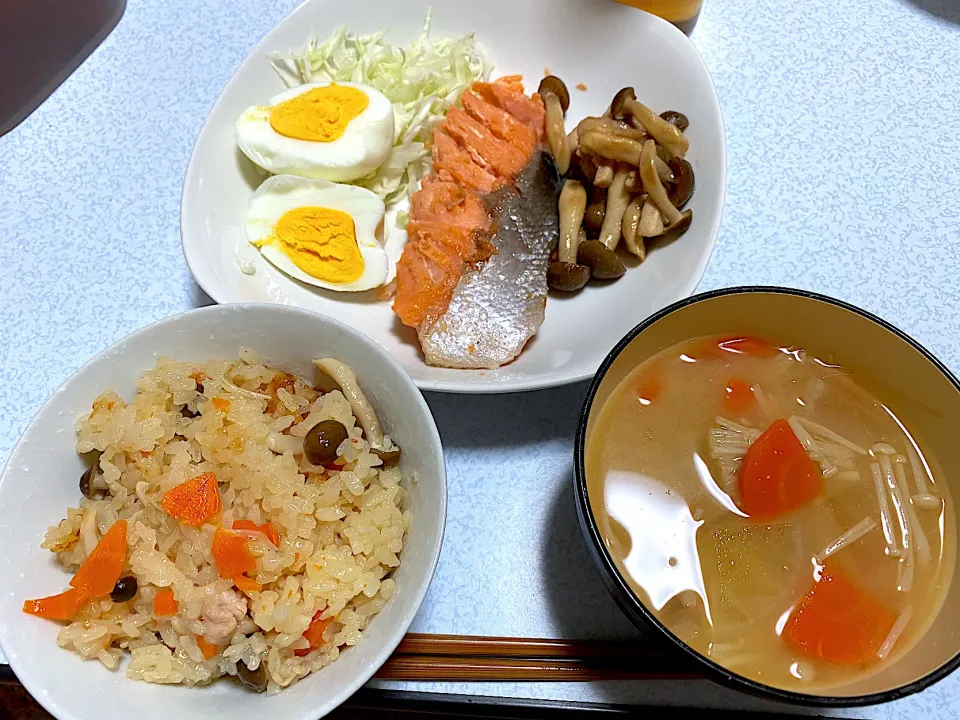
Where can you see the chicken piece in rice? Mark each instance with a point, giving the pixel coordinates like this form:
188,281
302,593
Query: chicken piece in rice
275,564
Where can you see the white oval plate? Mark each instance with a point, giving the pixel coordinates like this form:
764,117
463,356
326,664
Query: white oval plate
599,43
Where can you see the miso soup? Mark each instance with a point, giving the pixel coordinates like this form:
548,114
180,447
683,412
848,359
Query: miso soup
770,511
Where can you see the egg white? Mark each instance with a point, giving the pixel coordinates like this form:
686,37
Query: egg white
282,193
364,146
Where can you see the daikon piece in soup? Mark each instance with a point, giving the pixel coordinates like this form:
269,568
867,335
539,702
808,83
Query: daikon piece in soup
770,511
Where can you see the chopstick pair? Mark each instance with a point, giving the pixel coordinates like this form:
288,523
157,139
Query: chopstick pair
454,657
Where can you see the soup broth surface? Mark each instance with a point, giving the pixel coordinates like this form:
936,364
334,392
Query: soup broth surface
849,550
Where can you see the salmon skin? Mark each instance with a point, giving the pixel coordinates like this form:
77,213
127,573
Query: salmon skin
497,308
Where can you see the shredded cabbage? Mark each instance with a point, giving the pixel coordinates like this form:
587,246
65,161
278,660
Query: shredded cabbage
422,81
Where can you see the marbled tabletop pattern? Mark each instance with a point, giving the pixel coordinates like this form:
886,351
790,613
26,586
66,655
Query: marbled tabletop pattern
843,133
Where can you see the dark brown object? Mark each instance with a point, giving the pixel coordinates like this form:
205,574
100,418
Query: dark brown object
92,484
593,220
124,590
256,680
682,187
603,262
389,458
553,84
321,443
677,119
672,232
567,277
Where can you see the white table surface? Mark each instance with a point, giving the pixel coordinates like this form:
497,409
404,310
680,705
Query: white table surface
843,132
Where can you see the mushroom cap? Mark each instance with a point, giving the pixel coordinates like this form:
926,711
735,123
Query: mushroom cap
593,217
672,232
618,106
677,119
567,277
602,261
553,84
681,189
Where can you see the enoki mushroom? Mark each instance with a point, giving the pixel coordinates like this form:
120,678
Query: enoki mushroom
895,632
851,536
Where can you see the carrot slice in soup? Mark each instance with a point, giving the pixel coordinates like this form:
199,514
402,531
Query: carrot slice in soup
777,476
839,622
100,571
165,604
738,397
57,607
314,634
193,502
650,386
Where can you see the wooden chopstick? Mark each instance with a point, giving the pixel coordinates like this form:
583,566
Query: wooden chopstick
454,657
505,647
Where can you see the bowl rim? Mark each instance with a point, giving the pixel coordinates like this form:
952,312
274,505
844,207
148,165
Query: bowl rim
635,609
113,352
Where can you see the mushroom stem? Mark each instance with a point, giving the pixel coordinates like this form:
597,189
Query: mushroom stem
573,142
556,132
615,128
652,184
651,223
665,133
617,200
663,170
573,205
347,380
924,499
556,100
631,229
611,147
886,519
604,176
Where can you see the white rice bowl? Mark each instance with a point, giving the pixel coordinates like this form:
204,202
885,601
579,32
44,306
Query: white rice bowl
358,541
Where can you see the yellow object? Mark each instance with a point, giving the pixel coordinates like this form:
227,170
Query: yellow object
322,242
682,13
319,115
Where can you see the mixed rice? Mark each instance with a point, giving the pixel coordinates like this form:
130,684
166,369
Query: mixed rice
321,540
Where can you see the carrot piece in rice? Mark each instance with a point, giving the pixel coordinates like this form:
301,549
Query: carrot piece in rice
266,528
57,607
99,573
165,604
193,502
314,634
234,559
208,649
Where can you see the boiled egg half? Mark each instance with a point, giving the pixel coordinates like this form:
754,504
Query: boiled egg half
319,232
332,131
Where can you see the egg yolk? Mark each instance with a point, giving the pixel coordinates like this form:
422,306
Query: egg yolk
319,115
322,242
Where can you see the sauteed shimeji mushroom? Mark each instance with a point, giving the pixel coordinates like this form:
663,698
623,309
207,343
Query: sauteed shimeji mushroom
626,179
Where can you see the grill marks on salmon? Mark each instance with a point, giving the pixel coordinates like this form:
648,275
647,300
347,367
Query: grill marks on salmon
476,151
